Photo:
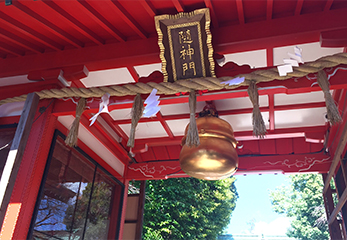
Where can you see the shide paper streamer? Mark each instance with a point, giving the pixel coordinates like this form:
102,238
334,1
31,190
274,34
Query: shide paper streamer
294,61
152,108
103,107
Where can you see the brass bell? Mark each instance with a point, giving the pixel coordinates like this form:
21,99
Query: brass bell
216,157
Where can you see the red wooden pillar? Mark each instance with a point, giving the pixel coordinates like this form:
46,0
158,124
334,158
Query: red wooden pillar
20,209
124,207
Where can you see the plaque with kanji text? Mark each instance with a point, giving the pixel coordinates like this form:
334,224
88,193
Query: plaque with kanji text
185,45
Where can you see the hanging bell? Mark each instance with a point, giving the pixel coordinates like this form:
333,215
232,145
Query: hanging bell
216,157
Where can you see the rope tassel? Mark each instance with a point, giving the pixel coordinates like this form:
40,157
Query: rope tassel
259,129
192,133
72,136
333,114
136,114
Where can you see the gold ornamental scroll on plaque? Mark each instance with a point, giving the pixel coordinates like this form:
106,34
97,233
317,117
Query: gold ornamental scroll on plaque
185,45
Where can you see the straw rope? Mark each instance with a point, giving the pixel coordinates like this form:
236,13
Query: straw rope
187,85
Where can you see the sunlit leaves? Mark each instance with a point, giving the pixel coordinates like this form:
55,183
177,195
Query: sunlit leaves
188,208
302,200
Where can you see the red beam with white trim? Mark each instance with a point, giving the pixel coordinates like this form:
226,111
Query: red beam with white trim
278,164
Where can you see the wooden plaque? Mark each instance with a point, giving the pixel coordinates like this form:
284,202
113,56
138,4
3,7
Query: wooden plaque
185,45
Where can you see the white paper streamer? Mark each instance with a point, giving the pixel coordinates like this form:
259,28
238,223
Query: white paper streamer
152,108
294,61
103,107
234,81
284,69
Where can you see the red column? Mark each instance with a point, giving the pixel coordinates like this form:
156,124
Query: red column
19,211
125,198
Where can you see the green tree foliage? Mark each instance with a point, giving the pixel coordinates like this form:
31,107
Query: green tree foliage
302,201
188,208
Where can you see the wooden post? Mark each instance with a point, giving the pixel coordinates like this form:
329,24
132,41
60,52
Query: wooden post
334,227
15,155
140,210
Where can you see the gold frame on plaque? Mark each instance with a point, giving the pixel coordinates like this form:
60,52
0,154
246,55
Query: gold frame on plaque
181,20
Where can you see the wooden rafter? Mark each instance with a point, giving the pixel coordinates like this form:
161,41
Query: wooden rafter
208,4
24,30
145,51
102,22
269,9
328,5
165,125
128,19
75,23
49,25
133,73
240,12
20,41
178,5
7,48
149,7
298,7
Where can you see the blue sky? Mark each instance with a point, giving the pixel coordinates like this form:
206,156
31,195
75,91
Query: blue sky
254,203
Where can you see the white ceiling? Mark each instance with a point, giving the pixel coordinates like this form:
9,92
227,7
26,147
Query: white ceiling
94,144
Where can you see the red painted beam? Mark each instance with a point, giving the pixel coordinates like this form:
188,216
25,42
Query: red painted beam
142,145
288,163
7,91
9,120
251,36
155,170
334,38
